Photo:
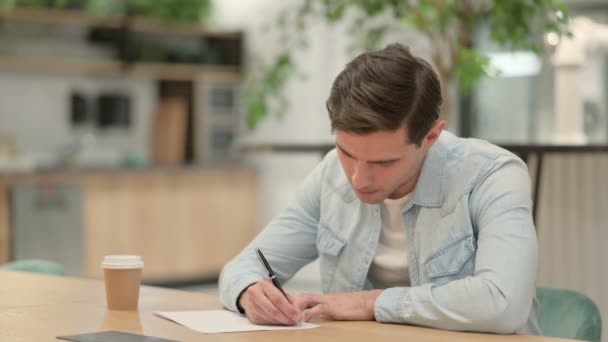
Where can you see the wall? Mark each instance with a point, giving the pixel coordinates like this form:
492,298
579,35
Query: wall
35,111
35,107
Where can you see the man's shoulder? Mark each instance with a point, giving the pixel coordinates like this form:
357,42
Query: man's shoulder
471,149
466,162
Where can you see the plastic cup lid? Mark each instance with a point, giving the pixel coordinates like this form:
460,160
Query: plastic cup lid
122,261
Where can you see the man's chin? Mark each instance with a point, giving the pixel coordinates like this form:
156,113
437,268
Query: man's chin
373,197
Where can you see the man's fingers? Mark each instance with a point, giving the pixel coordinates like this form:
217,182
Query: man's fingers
274,315
249,302
277,298
255,318
259,316
306,301
291,296
317,310
265,304
312,305
276,305
257,307
265,308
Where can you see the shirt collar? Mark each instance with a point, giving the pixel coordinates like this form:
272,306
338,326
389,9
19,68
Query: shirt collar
430,188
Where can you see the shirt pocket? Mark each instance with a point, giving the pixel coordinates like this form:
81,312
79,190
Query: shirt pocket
330,245
452,261
328,241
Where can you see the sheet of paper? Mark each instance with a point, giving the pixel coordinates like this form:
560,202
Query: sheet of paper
221,321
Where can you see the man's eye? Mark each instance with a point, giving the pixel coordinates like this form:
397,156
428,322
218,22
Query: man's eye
386,163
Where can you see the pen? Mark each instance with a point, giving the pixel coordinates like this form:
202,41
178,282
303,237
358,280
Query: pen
271,274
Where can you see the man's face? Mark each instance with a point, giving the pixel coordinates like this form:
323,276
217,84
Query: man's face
383,164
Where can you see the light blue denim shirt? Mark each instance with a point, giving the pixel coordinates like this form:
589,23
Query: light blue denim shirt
472,243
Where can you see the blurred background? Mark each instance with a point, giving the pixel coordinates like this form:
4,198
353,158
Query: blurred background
177,129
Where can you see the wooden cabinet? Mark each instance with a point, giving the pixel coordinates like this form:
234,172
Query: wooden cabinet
185,223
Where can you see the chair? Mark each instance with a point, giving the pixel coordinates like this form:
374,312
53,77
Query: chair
34,266
568,314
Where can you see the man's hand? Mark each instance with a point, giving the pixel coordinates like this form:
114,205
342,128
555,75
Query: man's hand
265,304
356,306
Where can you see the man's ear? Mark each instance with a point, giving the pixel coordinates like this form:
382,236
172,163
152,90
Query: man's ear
433,134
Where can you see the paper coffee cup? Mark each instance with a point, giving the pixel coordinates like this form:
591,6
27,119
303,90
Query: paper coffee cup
122,276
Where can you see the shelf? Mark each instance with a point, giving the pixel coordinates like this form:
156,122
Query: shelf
117,67
137,23
164,71
150,25
55,16
63,66
178,72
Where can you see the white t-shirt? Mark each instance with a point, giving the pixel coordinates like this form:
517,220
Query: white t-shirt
390,267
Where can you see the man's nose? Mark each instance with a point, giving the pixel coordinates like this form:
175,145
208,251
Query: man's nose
362,176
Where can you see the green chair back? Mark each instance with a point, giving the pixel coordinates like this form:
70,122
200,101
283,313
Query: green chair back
35,266
568,314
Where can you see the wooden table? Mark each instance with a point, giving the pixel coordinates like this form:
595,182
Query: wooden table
39,307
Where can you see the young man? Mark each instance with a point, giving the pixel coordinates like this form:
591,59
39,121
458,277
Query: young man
411,224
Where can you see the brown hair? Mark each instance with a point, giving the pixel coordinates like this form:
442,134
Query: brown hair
384,90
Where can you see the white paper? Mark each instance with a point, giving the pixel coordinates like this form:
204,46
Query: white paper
221,321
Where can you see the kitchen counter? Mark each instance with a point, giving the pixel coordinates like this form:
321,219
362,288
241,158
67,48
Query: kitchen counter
185,221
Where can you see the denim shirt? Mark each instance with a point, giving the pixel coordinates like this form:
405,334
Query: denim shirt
472,243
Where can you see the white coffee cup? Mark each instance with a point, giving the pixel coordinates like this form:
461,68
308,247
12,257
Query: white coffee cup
122,275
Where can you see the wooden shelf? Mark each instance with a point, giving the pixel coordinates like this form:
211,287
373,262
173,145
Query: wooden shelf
56,16
63,66
151,25
177,72
137,23
164,71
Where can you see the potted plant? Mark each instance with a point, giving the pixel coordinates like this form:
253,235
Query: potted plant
449,25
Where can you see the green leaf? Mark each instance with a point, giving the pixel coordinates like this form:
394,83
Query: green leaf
471,67
334,9
257,109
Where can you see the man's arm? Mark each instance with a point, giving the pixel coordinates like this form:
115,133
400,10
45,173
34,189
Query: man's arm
498,298
288,242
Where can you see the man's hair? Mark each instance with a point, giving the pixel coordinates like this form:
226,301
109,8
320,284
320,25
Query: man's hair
385,90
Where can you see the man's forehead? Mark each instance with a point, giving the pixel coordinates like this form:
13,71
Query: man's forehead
373,146
398,136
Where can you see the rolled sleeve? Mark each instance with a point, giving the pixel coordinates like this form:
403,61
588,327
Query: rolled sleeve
389,306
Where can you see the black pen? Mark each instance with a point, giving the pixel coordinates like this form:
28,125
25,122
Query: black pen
271,274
